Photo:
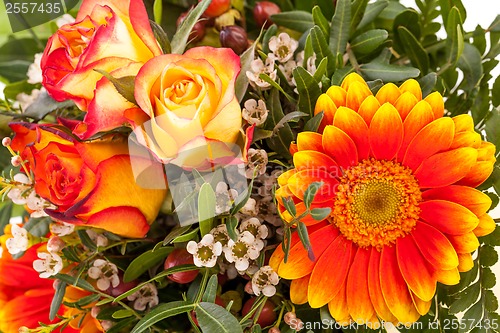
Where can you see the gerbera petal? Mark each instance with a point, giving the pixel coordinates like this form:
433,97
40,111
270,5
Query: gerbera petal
414,269
283,178
310,141
389,93
437,104
330,272
486,226
358,297
311,159
368,108
465,243
278,255
338,95
356,94
413,87
340,146
463,123
419,117
299,264
476,201
298,290
466,139
327,106
350,79
477,174
422,306
448,277
375,290
446,168
301,180
355,127
405,104
448,217
440,132
435,247
394,288
386,132
338,306
465,262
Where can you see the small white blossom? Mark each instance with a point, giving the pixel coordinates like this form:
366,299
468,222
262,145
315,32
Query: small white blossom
98,239
287,70
255,227
37,205
105,273
224,198
48,265
283,46
55,244
250,208
228,269
65,19
34,71
257,161
61,229
264,281
205,252
16,160
243,250
259,67
147,295
255,112
220,234
19,241
19,193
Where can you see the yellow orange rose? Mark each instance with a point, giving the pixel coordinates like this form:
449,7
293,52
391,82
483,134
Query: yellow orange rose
113,36
92,183
189,112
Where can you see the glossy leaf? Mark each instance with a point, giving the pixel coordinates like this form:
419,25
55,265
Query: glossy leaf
60,290
161,312
180,39
296,20
455,41
341,23
358,8
414,50
388,73
369,41
308,90
470,63
320,21
211,290
214,318
145,261
322,50
206,208
372,11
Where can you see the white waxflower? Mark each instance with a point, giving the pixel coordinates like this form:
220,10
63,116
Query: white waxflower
259,67
257,161
255,227
283,46
250,208
34,71
48,265
65,19
61,228
37,205
243,250
147,295
98,239
224,198
19,193
105,273
220,234
287,70
264,281
255,112
19,242
55,244
205,252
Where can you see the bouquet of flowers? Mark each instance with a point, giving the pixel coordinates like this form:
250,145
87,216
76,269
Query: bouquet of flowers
250,166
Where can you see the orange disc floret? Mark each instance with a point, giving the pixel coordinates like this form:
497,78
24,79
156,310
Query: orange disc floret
400,179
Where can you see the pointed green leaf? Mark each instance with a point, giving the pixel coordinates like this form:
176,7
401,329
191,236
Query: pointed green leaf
242,82
279,143
214,318
413,49
427,83
211,290
161,36
308,89
369,41
180,39
145,261
455,40
304,239
206,208
388,73
372,12
357,12
320,21
158,10
321,49
341,24
320,214
57,299
160,313
312,124
470,63
231,225
310,193
296,20
124,85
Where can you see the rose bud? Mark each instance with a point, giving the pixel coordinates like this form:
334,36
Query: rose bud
180,257
234,37
263,11
198,31
217,8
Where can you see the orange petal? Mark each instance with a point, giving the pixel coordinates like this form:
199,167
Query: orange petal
293,148
485,227
340,146
394,288
283,178
413,87
355,127
330,272
368,108
338,95
310,141
414,269
338,306
440,132
386,132
311,159
356,94
474,200
405,104
389,93
448,277
437,104
477,174
350,79
418,118
278,255
375,290
422,306
446,168
284,192
448,217
325,104
301,180
125,221
358,297
435,247
463,123
298,290
299,264
466,139
465,243
465,262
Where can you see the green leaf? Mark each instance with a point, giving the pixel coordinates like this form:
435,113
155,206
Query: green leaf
57,299
280,142
495,92
296,20
310,193
467,298
85,239
87,300
43,105
488,278
447,5
160,313
471,318
5,214
187,237
158,11
180,39
470,63
124,313
455,40
490,301
124,85
427,83
488,256
388,73
287,242
321,70
321,49
11,90
231,225
214,318
211,290
414,50
312,124
308,90
358,8
372,12
206,208
369,41
320,21
242,199
320,214
160,35
242,82
38,226
276,85
176,232
304,239
289,206
145,261
80,283
341,24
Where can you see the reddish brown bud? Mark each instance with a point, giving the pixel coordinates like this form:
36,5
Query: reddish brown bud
234,37
263,11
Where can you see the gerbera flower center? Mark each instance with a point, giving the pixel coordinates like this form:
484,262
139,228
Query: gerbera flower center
377,202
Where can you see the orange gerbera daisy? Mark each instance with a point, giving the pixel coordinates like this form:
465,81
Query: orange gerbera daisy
400,179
